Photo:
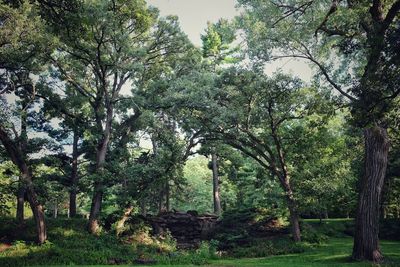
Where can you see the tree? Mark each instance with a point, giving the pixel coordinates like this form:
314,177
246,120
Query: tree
255,111
70,108
322,143
217,51
249,112
111,45
335,36
23,43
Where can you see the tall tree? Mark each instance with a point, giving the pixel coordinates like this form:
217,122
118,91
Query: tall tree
218,50
249,112
346,42
23,42
111,46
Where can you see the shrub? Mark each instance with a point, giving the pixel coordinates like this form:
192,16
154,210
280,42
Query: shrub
311,235
264,248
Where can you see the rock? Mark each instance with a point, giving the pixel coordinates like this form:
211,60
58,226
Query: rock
189,228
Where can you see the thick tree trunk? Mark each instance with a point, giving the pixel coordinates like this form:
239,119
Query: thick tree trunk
74,176
20,203
294,219
216,198
16,154
95,208
38,214
72,203
102,149
366,240
292,206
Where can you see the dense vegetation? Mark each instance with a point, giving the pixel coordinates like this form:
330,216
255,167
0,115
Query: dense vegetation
110,116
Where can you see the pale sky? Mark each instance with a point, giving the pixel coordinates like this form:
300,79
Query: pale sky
194,15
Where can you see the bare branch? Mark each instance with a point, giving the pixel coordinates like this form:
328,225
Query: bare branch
323,71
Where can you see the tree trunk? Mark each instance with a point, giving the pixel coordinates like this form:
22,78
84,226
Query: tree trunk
55,214
95,208
102,149
20,203
294,220
160,202
120,224
143,207
74,176
38,214
293,213
167,196
284,179
366,241
17,157
216,198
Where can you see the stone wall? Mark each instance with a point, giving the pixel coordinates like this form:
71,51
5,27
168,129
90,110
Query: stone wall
188,228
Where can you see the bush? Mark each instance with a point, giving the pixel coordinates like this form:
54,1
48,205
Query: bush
239,227
265,248
200,256
312,235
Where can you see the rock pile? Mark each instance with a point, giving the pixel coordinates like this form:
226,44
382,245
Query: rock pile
188,228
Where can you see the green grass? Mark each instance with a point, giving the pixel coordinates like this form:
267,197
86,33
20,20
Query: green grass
334,253
70,243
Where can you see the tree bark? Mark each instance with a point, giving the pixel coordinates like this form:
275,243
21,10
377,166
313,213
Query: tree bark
167,196
37,211
293,213
216,198
74,176
17,156
284,179
95,208
55,214
366,241
143,207
120,224
20,203
102,149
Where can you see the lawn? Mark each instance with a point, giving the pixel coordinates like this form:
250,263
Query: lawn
71,244
334,253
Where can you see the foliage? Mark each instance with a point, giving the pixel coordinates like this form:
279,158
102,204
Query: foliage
240,226
197,193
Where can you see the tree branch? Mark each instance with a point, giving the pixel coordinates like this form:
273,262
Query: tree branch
392,13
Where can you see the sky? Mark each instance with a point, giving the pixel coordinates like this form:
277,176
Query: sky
194,15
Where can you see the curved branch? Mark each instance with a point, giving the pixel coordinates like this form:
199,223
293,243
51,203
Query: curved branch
324,72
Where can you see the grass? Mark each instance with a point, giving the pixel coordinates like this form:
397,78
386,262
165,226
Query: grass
332,254
70,244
